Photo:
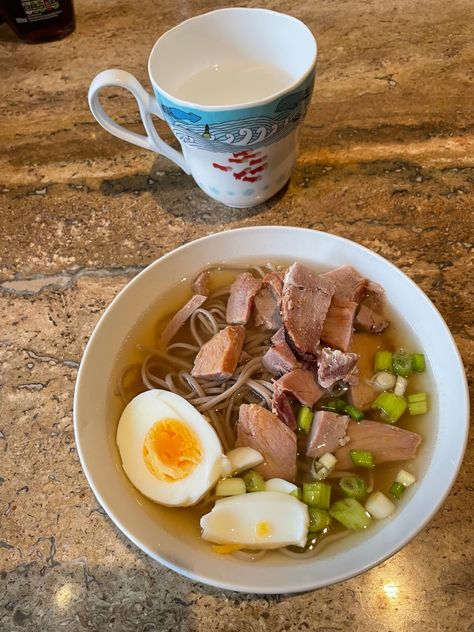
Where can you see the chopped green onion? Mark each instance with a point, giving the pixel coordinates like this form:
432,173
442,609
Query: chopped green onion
383,361
379,506
400,386
391,405
297,493
321,467
254,482
417,362
334,406
396,490
417,404
304,418
353,487
317,494
384,381
401,363
354,412
405,478
230,487
362,458
328,460
350,513
318,519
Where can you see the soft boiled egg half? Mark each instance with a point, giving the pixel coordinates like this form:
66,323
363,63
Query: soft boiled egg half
169,451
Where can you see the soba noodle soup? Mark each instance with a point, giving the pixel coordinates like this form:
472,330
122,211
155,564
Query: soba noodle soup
340,480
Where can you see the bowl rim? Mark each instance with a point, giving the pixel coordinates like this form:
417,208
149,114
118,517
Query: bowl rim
411,533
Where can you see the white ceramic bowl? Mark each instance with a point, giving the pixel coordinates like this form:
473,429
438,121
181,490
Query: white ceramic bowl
96,413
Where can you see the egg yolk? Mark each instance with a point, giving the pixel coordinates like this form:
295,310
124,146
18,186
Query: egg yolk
171,450
263,529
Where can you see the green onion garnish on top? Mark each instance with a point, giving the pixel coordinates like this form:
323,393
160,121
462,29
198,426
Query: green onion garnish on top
354,412
254,482
334,405
304,418
401,364
417,404
318,519
396,490
392,406
383,361
353,487
317,494
417,362
350,513
362,458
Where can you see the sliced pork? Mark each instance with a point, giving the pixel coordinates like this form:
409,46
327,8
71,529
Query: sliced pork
266,309
335,365
260,429
281,407
301,385
305,302
200,284
280,359
387,443
278,336
349,285
218,358
181,317
327,434
242,293
368,320
339,324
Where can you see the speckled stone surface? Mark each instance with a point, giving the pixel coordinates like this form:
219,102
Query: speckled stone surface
386,159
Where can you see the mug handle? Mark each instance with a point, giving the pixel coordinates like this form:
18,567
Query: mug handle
147,104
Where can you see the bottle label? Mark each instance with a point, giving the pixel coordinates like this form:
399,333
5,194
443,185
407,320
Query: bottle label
37,10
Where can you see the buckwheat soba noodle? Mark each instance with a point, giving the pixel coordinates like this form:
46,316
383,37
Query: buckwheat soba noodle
274,400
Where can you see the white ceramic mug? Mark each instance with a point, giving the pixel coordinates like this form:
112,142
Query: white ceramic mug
234,86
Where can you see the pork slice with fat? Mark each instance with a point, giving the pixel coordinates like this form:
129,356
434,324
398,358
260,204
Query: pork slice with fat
260,429
368,320
281,407
181,317
280,359
387,443
242,293
339,324
305,302
327,434
301,385
349,284
219,356
335,365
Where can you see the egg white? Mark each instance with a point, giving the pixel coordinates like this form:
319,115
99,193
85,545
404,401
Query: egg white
138,417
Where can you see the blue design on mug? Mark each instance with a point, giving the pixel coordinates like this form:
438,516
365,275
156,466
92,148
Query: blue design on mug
240,129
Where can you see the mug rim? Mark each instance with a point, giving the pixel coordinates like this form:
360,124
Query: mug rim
244,105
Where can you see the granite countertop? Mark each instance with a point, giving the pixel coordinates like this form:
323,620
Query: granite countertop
386,159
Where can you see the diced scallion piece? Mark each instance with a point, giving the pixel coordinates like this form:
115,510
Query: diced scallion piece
297,493
350,513
334,405
396,490
405,478
354,412
304,418
400,386
401,363
417,404
317,494
383,361
328,460
391,405
280,485
321,467
230,487
362,458
417,362
318,519
379,506
353,487
254,482
384,381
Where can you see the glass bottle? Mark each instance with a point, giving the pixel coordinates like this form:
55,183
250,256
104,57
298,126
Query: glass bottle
37,21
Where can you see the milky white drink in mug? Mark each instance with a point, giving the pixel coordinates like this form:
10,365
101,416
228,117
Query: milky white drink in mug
234,86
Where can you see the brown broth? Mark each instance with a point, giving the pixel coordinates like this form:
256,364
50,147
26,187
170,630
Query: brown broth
146,332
